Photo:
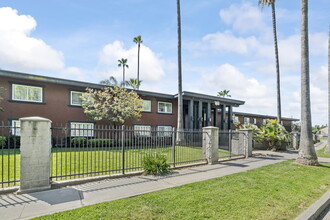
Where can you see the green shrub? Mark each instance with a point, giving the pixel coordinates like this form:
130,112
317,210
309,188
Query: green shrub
100,142
256,132
78,141
275,134
155,164
3,140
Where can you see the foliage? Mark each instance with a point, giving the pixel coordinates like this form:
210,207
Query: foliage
3,140
256,133
224,93
138,40
317,129
133,83
1,89
155,164
78,141
296,127
112,81
114,104
275,134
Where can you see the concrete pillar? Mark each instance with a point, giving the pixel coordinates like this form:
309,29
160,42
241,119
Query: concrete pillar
210,144
223,117
230,116
191,114
208,114
245,138
294,140
200,115
35,154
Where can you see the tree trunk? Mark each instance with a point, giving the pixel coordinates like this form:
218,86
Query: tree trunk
307,154
278,83
327,149
123,75
138,67
180,101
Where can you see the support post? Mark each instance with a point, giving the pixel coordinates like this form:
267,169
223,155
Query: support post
223,117
191,114
230,112
208,114
35,154
200,114
245,138
210,144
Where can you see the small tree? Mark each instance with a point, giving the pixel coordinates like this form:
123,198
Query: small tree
275,134
133,83
114,104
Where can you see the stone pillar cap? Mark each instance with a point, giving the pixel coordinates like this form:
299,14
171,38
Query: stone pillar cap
35,118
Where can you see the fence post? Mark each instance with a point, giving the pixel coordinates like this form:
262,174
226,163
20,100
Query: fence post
294,140
173,146
35,154
246,139
211,144
123,148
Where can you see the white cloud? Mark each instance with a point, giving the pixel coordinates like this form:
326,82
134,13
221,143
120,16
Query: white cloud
151,66
20,51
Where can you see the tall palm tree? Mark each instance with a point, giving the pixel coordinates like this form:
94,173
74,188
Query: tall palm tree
278,84
327,149
133,83
180,101
123,63
138,41
307,154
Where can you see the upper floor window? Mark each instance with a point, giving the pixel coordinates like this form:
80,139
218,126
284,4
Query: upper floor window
142,130
75,98
82,129
146,106
165,107
27,93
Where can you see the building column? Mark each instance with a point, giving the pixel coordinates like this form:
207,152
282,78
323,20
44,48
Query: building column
230,116
223,117
191,114
216,124
200,114
208,114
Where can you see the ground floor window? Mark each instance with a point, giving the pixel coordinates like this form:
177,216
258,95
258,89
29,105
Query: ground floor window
142,130
82,129
15,127
164,131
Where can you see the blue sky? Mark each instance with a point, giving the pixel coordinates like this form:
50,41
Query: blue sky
226,45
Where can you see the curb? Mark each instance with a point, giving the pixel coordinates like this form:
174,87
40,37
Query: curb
315,210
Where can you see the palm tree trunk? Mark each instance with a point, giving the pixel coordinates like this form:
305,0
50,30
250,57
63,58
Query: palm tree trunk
123,75
327,149
307,154
138,67
180,101
278,84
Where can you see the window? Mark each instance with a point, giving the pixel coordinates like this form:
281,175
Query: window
75,98
165,107
26,93
82,129
246,120
146,106
236,119
264,121
15,127
142,130
164,131
254,121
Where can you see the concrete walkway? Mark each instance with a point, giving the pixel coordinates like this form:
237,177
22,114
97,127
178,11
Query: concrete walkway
41,203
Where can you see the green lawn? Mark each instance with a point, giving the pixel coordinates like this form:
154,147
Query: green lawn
320,153
279,191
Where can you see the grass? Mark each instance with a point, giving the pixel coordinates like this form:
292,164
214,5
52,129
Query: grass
320,153
278,191
69,161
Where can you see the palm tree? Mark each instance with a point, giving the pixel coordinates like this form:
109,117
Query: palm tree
307,154
112,81
327,149
180,101
138,41
133,83
123,63
224,93
278,84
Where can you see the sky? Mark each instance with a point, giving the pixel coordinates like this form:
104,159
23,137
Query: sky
225,45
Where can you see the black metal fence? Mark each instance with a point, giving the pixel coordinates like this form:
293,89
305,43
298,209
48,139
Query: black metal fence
87,151
9,155
232,144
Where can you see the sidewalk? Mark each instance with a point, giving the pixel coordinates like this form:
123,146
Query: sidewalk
41,203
